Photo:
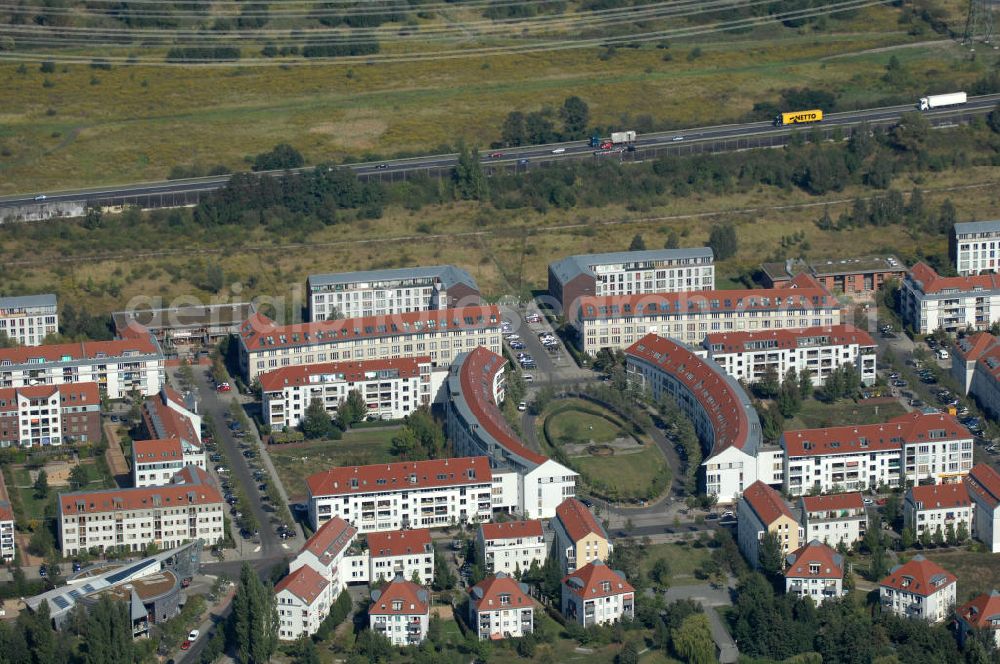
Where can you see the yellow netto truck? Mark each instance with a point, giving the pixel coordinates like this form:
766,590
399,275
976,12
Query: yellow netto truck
798,117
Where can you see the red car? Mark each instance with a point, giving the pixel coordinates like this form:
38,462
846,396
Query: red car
496,155
224,387
185,645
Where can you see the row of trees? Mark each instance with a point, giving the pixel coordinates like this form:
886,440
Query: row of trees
316,422
538,127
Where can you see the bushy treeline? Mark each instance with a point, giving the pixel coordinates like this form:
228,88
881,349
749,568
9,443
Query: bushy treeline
326,50
203,53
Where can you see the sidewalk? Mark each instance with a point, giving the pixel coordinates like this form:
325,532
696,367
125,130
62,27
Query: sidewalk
117,463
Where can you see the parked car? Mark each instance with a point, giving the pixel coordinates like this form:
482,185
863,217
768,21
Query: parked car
224,387
523,406
186,645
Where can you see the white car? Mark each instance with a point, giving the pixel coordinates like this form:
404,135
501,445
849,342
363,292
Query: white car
559,151
523,406
528,378
869,501
193,635
40,197
942,354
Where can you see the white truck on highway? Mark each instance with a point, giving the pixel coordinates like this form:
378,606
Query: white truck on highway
937,101
619,137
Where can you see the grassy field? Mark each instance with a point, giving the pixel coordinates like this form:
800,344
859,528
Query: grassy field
296,462
627,474
682,557
816,414
580,426
19,480
81,126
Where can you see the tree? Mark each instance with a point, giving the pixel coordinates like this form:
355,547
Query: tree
938,537
575,116
906,538
467,174
629,654
723,241
77,477
673,240
42,485
770,555
306,652
692,641
949,534
925,538
108,635
282,156
660,572
513,132
993,119
351,410
805,384
962,532
316,423
254,619
638,244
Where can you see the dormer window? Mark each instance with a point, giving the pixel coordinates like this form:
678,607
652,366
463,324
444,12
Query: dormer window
814,568
397,605
504,599
606,586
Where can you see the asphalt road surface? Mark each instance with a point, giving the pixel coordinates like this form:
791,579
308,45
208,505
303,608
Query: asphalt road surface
523,158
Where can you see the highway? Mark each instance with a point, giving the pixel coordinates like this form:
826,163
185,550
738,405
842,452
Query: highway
522,158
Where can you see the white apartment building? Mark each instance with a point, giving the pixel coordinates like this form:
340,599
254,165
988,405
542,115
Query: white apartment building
28,319
761,511
7,547
618,321
130,519
631,273
912,447
937,506
834,518
723,415
440,334
50,415
983,485
919,589
975,247
511,547
408,553
304,598
930,302
392,389
326,553
501,608
118,367
400,612
816,571
410,494
597,595
388,292
154,462
748,356
528,483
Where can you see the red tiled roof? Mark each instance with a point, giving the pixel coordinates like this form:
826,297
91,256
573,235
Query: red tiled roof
294,376
833,501
908,428
511,529
984,481
152,451
940,496
401,476
171,423
84,350
305,583
199,492
479,366
577,520
766,503
260,328
920,576
332,537
590,580
392,543
928,281
192,475
834,335
70,394
831,563
983,612
413,598
801,292
971,348
718,395
6,513
486,594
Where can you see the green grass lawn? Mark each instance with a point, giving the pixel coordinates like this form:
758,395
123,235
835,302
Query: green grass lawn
295,463
682,557
815,414
577,425
19,480
627,474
